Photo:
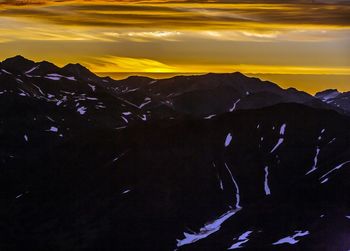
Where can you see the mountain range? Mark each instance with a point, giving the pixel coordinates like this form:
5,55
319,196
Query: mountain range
210,162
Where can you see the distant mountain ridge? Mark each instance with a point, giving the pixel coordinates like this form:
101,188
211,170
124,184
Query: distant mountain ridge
203,96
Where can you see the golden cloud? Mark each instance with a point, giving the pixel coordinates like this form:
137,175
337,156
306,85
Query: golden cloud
126,64
184,16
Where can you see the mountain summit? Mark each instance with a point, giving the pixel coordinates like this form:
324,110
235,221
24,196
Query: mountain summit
79,70
17,64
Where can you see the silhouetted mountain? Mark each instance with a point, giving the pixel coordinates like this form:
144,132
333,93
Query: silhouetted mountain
202,96
17,64
213,94
90,163
327,94
79,70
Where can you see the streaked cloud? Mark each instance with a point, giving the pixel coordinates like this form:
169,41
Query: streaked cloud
184,16
154,20
125,64
144,36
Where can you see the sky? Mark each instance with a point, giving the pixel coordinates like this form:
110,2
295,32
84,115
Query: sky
301,44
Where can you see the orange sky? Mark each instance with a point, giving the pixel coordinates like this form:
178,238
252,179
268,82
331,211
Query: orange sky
295,43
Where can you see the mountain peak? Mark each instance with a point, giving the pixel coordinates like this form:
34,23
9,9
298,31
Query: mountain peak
237,73
17,63
75,67
327,91
17,58
79,70
327,94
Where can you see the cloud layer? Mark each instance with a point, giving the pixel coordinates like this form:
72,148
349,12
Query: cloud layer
264,36
182,16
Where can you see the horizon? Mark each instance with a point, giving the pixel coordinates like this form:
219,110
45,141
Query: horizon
274,78
285,81
298,44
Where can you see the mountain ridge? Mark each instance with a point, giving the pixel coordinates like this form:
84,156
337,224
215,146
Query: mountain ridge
78,68
200,96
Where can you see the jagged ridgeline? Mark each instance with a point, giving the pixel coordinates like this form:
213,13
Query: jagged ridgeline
211,162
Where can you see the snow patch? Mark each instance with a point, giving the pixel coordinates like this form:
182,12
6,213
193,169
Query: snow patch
266,182
280,141
56,77
82,110
207,229
330,142
152,82
93,88
51,119
126,121
291,239
32,69
146,103
234,105
335,168
236,187
210,116
324,181
53,78
143,117
314,167
53,129
41,92
283,129
19,196
4,71
243,238
228,140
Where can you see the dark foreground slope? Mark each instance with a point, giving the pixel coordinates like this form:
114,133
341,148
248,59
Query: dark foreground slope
269,179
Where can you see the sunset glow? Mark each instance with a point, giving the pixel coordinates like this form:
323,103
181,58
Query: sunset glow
255,37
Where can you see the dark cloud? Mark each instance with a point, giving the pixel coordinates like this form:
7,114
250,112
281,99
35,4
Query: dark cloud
218,15
22,2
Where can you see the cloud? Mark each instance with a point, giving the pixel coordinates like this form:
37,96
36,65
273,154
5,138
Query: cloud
148,21
184,16
127,64
144,36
